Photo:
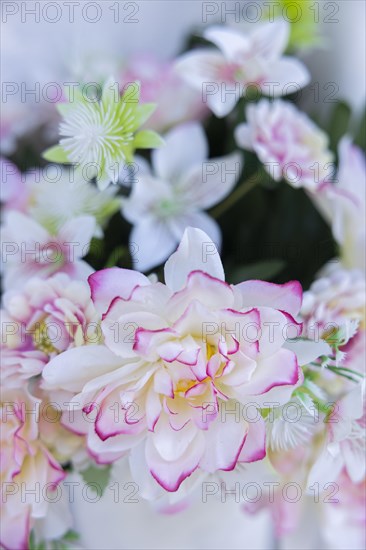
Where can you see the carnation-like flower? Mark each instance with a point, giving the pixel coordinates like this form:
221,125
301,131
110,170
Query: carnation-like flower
181,363
27,469
54,195
101,135
43,319
184,183
287,142
29,249
242,60
343,204
176,101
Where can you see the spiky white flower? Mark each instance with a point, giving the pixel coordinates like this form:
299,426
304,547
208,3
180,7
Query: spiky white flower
101,135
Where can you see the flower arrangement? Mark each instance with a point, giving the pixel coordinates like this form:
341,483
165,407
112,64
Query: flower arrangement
216,366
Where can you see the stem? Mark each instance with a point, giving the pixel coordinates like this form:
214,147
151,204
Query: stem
239,192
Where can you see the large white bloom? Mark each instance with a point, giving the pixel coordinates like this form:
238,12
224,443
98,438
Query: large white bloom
178,359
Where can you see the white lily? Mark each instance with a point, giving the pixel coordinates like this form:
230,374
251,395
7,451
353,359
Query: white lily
242,60
183,183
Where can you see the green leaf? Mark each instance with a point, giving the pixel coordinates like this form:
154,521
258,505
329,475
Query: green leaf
305,400
100,476
147,139
107,210
119,253
71,536
56,154
339,123
144,112
360,138
31,542
260,270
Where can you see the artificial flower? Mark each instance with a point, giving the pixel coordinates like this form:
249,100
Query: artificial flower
183,183
43,319
177,358
99,135
242,60
30,250
27,468
287,142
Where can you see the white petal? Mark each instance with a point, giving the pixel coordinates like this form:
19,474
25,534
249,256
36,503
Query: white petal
185,146
147,192
200,220
285,72
222,103
244,137
270,39
72,369
151,243
307,351
195,252
199,67
209,183
20,228
78,231
229,41
326,469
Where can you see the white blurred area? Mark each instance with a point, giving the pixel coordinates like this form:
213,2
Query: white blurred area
52,51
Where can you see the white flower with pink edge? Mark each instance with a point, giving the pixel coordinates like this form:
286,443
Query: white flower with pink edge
184,366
